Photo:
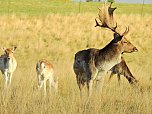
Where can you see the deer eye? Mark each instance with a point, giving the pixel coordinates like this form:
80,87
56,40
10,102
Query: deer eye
125,42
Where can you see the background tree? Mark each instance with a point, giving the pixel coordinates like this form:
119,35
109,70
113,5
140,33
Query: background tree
89,0
112,1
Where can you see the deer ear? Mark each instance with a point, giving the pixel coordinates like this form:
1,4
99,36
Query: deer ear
14,48
117,37
3,49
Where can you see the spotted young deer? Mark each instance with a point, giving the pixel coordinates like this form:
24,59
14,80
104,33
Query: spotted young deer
91,65
122,69
8,64
45,71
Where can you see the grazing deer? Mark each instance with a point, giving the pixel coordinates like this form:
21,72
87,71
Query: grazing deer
45,72
122,69
91,65
8,64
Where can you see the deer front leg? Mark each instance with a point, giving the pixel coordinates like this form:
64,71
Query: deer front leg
118,76
100,81
111,75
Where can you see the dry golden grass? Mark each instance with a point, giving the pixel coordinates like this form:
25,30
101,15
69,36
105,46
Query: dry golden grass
57,38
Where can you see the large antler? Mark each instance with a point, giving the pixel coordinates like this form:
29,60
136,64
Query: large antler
106,18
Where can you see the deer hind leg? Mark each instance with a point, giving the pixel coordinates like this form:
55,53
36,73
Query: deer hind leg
6,78
53,84
80,88
44,83
89,87
40,82
10,78
80,83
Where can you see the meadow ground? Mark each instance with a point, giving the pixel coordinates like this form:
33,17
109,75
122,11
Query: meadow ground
57,36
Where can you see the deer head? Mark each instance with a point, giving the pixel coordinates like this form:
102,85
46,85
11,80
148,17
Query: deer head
9,52
106,18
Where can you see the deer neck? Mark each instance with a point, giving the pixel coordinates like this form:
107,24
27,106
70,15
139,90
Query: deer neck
112,51
109,56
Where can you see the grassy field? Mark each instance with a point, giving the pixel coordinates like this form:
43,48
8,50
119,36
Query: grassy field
45,7
56,33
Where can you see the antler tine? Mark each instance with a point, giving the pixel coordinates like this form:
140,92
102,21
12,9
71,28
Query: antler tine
97,24
111,10
126,31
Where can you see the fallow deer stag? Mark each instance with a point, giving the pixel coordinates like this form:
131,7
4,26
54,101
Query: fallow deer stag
45,71
122,69
91,65
8,64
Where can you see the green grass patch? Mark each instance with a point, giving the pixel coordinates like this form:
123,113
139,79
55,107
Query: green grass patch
45,7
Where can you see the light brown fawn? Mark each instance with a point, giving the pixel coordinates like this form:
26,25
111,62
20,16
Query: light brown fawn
122,69
45,71
8,64
91,65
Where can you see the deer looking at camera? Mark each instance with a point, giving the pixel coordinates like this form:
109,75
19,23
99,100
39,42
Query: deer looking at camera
8,64
122,69
45,71
91,65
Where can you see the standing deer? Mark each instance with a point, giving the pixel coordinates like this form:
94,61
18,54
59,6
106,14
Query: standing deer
45,72
122,69
8,64
91,65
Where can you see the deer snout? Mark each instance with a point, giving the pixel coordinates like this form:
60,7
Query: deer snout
135,49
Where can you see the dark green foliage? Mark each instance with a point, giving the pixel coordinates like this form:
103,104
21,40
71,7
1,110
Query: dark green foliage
112,1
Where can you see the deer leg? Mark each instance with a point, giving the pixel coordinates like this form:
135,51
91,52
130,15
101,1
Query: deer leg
10,78
111,75
100,81
79,82
50,83
80,88
44,87
6,78
118,76
134,83
89,87
130,79
40,83
53,84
